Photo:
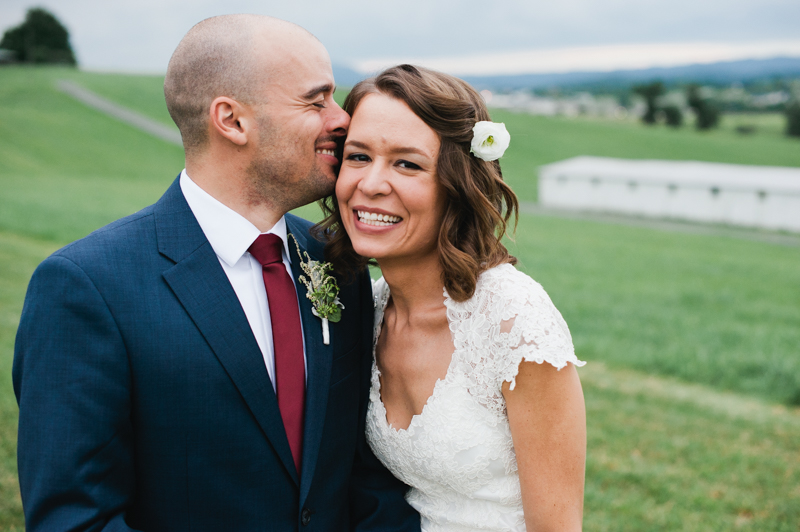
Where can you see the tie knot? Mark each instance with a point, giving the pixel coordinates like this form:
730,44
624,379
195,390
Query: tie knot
267,249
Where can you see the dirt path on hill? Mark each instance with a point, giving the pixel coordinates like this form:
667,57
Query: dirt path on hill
132,118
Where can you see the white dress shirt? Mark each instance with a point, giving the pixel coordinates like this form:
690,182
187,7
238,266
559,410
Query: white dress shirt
230,235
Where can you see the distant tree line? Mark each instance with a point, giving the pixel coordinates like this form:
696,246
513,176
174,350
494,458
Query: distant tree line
793,118
793,110
706,112
41,38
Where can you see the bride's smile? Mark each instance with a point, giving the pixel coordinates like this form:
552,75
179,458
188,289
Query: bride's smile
375,217
391,200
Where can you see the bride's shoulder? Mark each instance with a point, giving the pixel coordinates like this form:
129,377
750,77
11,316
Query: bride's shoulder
510,288
511,301
509,319
530,326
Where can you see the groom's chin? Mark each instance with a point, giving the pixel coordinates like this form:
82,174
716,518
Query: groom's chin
321,186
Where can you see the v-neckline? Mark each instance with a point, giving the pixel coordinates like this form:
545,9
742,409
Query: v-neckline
376,373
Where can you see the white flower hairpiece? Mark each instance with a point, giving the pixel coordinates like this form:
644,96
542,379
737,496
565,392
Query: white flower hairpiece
489,141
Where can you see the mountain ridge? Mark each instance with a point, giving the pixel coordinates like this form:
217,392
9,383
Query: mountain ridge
720,73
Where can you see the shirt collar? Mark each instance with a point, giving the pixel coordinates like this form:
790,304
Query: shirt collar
229,233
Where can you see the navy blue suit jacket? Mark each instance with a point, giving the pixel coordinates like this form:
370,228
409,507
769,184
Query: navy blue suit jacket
145,403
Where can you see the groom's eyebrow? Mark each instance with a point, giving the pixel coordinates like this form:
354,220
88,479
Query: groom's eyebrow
316,91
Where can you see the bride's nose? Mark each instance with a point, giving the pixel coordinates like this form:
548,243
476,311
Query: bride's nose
374,181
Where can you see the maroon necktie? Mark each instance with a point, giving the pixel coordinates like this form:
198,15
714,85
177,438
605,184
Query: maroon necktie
287,339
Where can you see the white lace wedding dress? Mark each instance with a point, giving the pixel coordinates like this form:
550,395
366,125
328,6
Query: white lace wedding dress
457,455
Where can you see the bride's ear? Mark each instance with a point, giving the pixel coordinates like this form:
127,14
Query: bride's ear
231,120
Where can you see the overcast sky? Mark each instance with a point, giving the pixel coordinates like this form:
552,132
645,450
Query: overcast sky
462,37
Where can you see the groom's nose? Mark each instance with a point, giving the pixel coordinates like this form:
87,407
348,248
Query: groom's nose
337,120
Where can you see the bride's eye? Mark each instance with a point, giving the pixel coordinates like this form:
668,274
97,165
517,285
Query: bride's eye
408,165
358,157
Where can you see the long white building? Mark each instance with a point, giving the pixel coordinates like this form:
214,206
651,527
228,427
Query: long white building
754,196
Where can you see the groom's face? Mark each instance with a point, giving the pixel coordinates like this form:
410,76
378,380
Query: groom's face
299,125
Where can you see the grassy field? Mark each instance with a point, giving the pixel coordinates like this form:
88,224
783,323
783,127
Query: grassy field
714,310
666,456
693,341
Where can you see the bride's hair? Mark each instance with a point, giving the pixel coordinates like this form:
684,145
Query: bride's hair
478,204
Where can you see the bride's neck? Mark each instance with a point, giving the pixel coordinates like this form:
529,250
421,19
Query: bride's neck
416,286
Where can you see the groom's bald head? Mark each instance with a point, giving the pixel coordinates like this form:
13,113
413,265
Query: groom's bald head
228,55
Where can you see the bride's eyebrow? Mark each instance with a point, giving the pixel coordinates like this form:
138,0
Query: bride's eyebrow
402,149
356,144
393,151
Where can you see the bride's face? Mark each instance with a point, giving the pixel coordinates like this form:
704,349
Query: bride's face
389,195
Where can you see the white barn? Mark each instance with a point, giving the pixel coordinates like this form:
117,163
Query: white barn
756,196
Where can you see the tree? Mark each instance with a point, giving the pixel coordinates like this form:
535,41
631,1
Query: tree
41,38
650,93
793,119
673,115
707,113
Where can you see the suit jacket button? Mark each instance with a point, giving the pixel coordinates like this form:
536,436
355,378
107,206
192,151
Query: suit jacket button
305,516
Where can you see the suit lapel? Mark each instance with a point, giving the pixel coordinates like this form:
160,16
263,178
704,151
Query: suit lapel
318,359
200,283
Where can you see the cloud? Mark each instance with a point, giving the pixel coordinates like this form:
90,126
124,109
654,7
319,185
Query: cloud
140,35
604,58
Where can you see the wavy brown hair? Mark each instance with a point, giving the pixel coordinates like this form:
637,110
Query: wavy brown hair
478,204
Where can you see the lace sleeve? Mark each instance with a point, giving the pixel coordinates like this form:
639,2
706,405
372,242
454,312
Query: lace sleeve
534,332
509,319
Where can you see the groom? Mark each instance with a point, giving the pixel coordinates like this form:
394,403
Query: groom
169,369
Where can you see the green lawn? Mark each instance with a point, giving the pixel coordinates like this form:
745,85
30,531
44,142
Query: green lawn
693,341
662,455
720,311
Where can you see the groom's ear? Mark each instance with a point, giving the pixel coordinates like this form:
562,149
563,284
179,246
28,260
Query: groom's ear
231,120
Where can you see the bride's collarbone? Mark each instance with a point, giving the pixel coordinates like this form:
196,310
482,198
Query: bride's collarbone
414,348
411,359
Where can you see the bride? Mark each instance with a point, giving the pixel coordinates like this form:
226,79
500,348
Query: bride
476,402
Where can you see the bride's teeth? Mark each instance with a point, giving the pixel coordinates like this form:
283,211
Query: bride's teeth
380,220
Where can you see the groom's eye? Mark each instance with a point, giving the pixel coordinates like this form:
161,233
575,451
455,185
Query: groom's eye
320,104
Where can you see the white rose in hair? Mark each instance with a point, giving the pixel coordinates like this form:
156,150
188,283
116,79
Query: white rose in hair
490,140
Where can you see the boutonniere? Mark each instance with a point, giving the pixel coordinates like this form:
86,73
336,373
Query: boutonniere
322,289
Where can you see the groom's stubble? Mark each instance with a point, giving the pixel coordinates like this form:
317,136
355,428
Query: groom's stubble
274,177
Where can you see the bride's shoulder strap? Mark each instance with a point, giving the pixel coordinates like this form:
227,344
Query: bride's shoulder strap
380,292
